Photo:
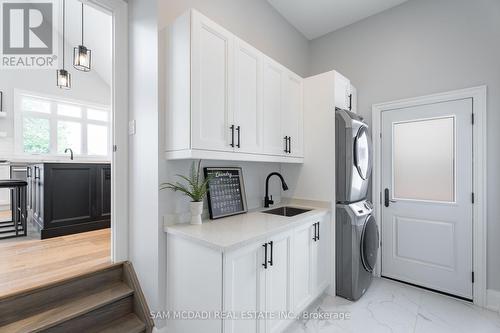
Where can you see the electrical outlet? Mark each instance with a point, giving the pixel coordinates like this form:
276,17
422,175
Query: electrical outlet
131,127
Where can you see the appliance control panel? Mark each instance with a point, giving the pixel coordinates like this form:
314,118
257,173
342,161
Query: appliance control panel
361,208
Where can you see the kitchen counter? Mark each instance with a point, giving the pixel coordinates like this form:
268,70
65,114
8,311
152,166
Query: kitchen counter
235,231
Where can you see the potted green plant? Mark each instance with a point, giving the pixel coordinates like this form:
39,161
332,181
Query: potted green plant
196,189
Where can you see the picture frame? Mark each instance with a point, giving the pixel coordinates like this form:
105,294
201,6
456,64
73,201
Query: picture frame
226,191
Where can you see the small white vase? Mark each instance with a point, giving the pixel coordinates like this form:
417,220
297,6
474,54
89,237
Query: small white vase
196,210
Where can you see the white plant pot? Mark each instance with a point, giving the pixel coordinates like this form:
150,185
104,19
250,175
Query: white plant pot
196,210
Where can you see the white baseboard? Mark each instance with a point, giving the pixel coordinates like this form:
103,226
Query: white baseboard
493,300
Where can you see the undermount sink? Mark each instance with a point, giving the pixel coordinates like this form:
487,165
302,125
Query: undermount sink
286,211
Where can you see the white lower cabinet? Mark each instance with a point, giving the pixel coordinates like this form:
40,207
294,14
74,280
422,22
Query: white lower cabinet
256,287
310,265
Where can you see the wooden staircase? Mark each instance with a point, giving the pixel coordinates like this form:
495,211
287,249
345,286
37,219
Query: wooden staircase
107,300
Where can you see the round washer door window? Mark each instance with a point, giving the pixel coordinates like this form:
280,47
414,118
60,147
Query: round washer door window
369,243
362,152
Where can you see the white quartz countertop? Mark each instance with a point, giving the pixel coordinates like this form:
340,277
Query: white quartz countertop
236,231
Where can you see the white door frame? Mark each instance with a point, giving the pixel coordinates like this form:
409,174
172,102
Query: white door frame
478,95
118,9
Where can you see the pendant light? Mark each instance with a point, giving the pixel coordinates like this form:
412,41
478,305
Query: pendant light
63,76
82,56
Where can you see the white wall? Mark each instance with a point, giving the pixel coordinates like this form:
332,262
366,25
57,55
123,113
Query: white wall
145,233
419,48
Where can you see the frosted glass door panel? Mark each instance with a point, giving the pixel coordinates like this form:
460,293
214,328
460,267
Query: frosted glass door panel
423,159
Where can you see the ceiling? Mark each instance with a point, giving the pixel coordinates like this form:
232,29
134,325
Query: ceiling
315,18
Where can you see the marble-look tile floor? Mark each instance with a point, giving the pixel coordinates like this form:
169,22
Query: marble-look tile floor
394,307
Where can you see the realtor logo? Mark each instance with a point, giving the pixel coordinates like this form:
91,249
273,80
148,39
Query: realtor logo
28,34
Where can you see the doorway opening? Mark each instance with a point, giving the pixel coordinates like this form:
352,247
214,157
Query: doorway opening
63,143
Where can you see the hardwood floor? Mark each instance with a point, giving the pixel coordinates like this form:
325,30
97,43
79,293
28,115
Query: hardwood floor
27,264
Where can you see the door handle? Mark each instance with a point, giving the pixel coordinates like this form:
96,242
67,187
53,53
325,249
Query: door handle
386,198
271,254
232,135
265,256
350,102
238,128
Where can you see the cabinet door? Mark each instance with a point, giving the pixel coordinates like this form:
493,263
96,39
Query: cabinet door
278,281
354,99
320,253
302,266
274,143
244,287
342,91
292,116
103,189
211,75
248,98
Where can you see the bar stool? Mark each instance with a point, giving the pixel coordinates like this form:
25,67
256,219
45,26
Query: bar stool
19,208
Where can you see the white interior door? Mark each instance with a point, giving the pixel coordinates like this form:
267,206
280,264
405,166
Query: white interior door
427,196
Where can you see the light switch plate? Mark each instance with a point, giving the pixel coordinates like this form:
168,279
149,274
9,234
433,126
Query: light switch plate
131,127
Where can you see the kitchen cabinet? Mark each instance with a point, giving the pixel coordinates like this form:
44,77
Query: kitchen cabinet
310,253
226,99
273,101
211,87
354,99
69,198
248,113
292,115
342,91
280,274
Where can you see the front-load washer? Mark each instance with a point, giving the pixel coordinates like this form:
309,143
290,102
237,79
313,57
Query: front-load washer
357,243
353,150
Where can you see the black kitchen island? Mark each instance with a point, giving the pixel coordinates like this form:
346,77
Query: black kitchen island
69,198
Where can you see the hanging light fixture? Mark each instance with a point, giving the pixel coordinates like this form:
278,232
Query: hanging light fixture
82,56
63,76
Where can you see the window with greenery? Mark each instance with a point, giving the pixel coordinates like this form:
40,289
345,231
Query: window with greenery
49,125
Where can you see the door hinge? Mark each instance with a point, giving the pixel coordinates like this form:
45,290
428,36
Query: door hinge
472,197
472,277
473,119
115,148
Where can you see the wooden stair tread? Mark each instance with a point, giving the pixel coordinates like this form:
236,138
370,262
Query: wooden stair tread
128,324
73,308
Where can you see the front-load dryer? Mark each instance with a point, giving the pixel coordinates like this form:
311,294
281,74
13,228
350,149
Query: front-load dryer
357,243
353,150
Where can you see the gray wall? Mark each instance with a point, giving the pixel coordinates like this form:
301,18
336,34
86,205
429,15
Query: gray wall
424,47
254,21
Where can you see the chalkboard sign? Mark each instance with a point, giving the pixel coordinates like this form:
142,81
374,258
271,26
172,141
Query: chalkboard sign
226,192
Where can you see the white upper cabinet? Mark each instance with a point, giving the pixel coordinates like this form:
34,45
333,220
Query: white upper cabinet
273,102
227,100
354,99
292,116
248,117
211,85
342,91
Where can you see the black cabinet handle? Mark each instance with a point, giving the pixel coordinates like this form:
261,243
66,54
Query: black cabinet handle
37,177
289,144
271,255
28,172
350,102
317,231
265,256
286,144
239,136
232,135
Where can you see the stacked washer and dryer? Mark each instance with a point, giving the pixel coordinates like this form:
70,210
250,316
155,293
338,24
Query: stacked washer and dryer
357,237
